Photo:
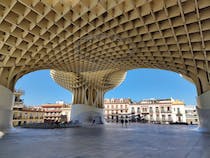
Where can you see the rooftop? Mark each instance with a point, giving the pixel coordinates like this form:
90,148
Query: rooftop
118,100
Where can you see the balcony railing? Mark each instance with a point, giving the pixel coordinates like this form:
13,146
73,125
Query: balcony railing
17,118
167,120
166,111
179,114
145,112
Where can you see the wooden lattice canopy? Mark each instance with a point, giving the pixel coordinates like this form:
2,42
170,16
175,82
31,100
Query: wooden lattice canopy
90,36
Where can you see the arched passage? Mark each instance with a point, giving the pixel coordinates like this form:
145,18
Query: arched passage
102,79
86,37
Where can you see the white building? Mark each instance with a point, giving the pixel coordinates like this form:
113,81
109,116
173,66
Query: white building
66,111
191,115
114,109
178,111
151,110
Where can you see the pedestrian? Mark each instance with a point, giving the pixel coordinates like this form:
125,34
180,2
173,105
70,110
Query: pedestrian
122,121
126,121
93,122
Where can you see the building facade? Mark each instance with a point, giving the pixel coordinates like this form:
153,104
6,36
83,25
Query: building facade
27,115
58,112
191,115
162,111
18,102
152,110
24,115
115,109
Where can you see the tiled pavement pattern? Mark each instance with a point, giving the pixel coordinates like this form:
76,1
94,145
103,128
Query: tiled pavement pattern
110,141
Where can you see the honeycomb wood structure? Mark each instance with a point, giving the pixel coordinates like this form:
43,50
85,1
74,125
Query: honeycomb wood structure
90,44
94,36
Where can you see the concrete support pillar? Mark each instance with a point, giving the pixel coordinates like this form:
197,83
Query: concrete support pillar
87,105
203,109
84,114
6,102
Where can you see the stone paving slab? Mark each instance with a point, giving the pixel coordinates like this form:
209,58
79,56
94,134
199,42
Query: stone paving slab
109,141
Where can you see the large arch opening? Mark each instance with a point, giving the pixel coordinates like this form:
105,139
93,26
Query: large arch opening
153,95
147,83
139,84
38,99
115,76
154,34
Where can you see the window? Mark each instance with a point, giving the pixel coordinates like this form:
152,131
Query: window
163,117
157,118
169,118
168,108
31,116
144,109
132,110
138,110
151,118
150,109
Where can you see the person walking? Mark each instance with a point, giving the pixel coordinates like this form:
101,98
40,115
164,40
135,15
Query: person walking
93,122
122,121
126,121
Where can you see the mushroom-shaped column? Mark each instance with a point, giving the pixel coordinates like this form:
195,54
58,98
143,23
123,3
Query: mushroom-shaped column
88,90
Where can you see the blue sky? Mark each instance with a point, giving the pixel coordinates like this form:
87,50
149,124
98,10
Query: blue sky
139,84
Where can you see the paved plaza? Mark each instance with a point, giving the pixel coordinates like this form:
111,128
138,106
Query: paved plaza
110,141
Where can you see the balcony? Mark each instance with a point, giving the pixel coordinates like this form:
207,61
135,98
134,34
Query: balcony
166,111
158,119
179,114
17,118
145,112
170,120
